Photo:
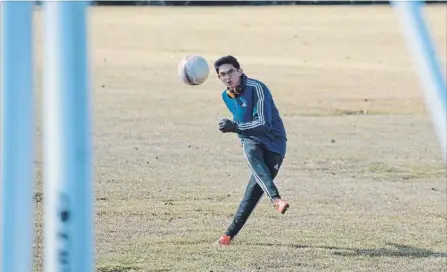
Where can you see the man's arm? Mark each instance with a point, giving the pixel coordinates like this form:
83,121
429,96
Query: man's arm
261,122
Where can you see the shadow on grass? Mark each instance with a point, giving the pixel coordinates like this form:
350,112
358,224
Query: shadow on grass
396,251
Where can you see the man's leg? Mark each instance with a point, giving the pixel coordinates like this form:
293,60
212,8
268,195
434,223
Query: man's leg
274,162
253,193
254,153
264,166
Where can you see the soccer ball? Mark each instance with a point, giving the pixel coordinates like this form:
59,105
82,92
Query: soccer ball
193,70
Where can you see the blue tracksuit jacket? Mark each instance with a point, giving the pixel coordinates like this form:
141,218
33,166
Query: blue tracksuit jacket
257,117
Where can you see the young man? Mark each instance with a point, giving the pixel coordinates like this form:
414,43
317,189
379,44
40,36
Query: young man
257,122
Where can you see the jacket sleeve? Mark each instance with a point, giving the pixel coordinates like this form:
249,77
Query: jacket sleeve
261,122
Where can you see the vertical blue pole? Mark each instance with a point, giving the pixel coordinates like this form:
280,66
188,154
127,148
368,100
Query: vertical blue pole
67,139
426,63
17,131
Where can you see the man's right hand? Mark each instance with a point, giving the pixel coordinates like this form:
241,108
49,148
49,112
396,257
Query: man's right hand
226,125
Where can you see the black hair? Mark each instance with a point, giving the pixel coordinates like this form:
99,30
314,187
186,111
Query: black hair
226,60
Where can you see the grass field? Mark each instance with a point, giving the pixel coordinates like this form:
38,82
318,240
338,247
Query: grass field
363,173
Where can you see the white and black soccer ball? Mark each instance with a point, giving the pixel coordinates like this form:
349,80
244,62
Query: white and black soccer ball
193,70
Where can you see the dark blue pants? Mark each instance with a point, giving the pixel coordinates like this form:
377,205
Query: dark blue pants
264,166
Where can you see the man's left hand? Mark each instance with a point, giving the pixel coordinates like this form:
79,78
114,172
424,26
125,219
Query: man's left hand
226,125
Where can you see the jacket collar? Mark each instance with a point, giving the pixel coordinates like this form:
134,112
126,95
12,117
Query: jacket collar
239,89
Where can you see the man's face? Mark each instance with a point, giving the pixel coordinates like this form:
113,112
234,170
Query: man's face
230,75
